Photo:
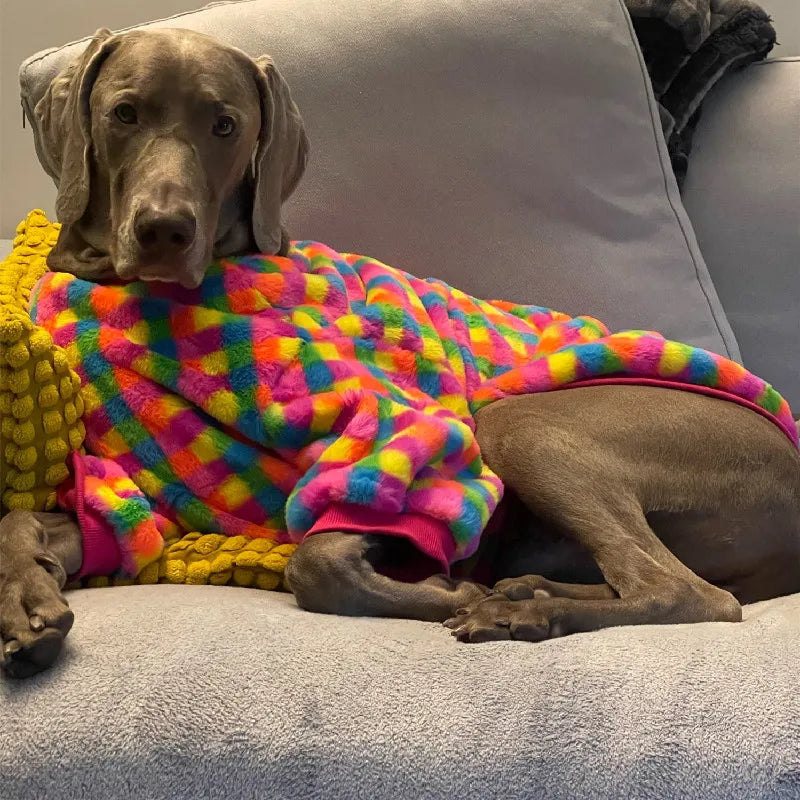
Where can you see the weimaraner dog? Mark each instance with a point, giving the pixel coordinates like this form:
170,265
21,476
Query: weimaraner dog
626,504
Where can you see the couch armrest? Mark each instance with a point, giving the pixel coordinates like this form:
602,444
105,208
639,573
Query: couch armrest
743,197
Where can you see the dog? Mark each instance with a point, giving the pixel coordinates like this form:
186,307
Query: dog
625,505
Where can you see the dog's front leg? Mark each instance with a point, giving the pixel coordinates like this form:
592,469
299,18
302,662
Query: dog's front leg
37,553
334,573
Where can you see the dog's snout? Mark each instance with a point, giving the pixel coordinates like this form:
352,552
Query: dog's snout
162,233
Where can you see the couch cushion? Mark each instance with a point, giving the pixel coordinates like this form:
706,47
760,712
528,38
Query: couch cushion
743,194
511,148
191,692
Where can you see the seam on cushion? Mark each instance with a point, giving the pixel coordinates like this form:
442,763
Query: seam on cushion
734,355
50,51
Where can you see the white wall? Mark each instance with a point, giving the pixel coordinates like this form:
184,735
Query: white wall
23,184
23,32
786,19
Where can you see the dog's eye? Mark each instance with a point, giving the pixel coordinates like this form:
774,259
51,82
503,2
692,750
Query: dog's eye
126,113
224,126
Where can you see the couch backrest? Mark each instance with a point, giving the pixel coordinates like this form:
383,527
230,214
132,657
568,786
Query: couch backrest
512,148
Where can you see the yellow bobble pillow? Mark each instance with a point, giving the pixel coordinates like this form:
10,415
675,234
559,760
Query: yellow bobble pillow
40,424
40,399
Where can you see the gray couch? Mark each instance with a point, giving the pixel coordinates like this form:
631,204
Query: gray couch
514,149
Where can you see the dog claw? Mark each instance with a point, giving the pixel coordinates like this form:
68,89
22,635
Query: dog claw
37,623
27,660
11,647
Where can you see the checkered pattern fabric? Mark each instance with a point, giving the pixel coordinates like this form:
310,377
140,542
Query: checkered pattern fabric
283,386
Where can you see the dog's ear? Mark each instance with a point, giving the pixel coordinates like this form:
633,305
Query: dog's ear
280,158
65,122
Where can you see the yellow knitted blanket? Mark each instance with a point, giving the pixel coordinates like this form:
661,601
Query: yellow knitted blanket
40,424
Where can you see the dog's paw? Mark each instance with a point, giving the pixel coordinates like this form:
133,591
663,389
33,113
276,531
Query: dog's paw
527,587
496,618
34,615
459,593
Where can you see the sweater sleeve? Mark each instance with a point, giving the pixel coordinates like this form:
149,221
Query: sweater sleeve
121,533
400,463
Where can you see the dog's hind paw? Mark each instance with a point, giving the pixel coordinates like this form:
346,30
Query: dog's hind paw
496,618
34,615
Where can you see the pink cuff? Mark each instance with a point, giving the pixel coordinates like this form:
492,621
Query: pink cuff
101,552
430,536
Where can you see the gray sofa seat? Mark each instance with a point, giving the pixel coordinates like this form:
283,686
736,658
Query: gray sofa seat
194,692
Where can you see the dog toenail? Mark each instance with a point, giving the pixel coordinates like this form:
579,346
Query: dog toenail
11,647
37,623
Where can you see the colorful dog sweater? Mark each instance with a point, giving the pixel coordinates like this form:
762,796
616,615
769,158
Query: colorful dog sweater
320,391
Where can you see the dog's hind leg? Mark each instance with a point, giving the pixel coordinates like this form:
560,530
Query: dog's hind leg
37,553
594,462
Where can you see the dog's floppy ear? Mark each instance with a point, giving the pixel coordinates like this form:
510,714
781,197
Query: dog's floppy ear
280,158
64,119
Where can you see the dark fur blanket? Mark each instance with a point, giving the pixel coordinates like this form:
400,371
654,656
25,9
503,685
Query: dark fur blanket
688,46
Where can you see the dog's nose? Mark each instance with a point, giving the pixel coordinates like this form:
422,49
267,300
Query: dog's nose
165,232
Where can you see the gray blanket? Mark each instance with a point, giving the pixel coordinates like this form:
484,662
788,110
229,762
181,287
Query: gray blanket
253,698
688,46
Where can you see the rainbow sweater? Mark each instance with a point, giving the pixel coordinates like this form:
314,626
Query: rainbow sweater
321,391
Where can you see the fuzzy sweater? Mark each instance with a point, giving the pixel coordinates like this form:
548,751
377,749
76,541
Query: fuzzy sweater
319,391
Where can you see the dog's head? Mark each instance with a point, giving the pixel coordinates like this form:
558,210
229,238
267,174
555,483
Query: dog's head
169,148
